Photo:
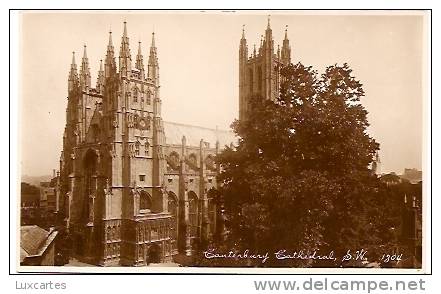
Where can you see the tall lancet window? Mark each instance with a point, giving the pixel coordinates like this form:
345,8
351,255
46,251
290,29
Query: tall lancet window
135,94
145,202
137,144
146,147
148,95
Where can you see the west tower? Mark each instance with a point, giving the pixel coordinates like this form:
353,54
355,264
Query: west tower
112,165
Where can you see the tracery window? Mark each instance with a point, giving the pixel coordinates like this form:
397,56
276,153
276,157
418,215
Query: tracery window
137,144
145,200
135,94
173,161
148,97
193,161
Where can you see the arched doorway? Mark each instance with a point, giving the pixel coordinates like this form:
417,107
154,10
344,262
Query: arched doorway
154,254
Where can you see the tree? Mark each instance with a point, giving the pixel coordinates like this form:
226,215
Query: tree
299,177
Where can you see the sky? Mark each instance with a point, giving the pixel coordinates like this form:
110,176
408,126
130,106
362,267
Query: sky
198,60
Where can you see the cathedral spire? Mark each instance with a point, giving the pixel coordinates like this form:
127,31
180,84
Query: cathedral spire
109,63
73,74
125,29
139,48
85,70
268,41
139,61
110,40
153,65
73,66
286,49
100,79
153,40
243,48
73,60
125,59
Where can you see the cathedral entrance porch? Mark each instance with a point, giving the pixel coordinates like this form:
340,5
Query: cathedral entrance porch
147,239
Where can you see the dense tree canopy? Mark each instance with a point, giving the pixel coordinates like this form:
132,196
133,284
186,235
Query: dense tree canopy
300,175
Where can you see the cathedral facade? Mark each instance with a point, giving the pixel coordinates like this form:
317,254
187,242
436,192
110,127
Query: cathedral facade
134,189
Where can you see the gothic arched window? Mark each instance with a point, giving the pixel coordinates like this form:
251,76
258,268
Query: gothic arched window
137,144
135,94
173,161
90,167
193,161
148,97
145,202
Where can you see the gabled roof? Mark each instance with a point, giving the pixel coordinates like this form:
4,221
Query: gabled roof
194,134
34,240
31,238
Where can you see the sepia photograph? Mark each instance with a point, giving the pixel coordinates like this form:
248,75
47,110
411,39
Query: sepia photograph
168,141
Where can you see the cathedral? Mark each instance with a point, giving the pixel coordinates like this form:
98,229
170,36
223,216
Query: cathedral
133,188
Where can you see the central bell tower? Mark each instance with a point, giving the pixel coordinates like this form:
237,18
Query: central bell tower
259,73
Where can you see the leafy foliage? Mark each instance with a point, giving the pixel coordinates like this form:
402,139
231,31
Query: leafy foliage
299,177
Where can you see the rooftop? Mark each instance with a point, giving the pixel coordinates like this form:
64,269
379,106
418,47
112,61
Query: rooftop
194,134
34,240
